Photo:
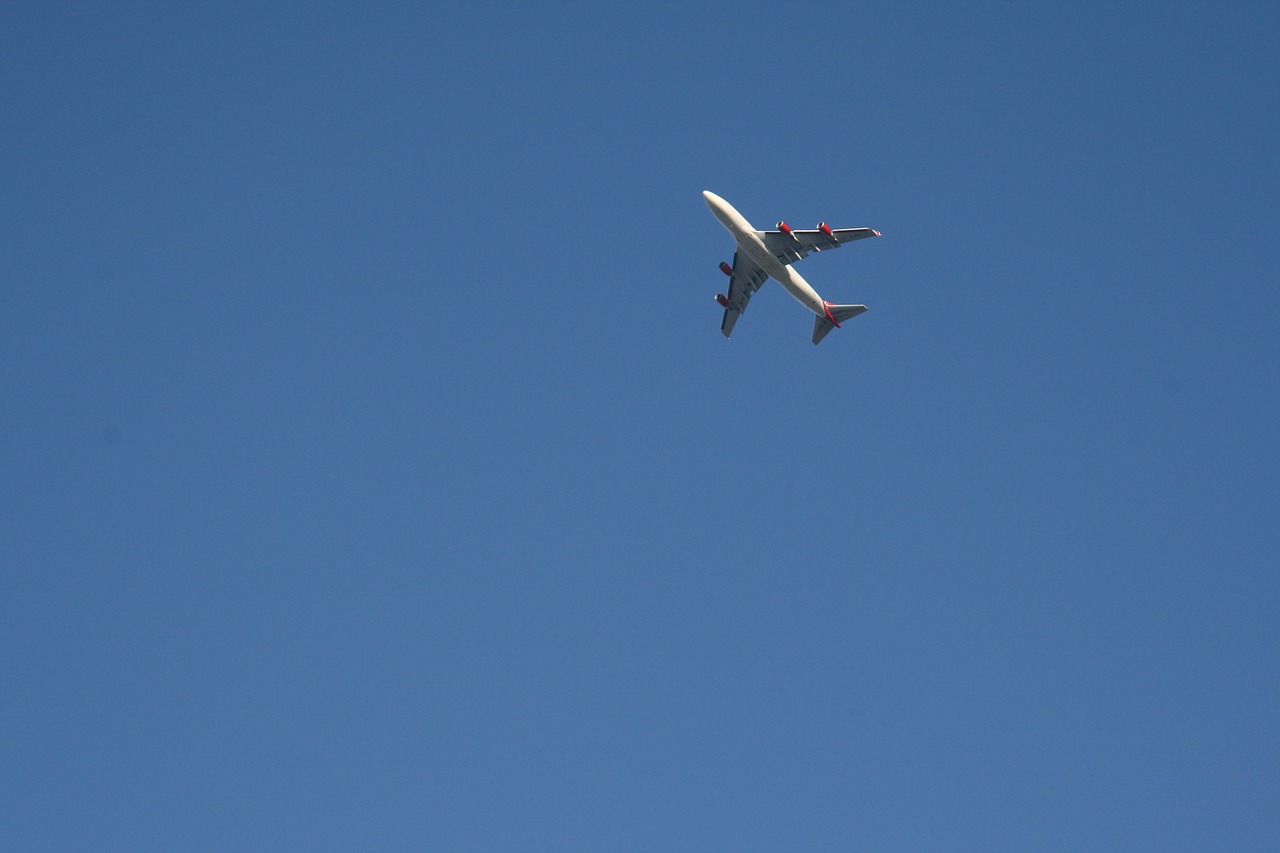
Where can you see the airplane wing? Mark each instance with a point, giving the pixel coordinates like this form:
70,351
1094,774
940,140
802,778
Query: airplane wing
792,247
746,280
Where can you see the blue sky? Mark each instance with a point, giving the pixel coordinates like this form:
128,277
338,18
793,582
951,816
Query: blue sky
375,474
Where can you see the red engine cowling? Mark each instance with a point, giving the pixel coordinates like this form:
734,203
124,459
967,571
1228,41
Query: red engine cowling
723,300
725,268
785,228
826,229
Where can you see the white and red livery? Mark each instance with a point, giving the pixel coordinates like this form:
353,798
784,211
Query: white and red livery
763,255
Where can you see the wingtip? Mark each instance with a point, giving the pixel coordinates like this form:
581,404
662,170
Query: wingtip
875,232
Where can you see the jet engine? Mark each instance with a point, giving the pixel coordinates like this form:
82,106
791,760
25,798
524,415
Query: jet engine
826,229
725,268
723,300
784,228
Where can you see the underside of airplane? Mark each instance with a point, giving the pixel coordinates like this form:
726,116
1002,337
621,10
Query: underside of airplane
762,255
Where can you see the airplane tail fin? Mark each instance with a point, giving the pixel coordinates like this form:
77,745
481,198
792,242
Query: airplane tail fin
836,314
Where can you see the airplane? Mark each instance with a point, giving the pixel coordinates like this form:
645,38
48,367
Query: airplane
762,255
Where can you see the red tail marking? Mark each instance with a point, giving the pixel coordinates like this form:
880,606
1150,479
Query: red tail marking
826,306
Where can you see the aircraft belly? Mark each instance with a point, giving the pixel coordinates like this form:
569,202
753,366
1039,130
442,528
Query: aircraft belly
801,290
783,274
764,258
805,295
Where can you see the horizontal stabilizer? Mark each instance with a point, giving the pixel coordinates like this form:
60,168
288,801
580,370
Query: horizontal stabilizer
823,325
844,312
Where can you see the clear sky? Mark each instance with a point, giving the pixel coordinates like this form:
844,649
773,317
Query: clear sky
375,474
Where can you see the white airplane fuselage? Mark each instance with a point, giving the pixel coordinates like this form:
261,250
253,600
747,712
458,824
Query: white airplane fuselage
752,246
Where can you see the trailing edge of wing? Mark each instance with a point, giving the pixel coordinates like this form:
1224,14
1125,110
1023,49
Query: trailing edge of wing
745,280
730,317
792,247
